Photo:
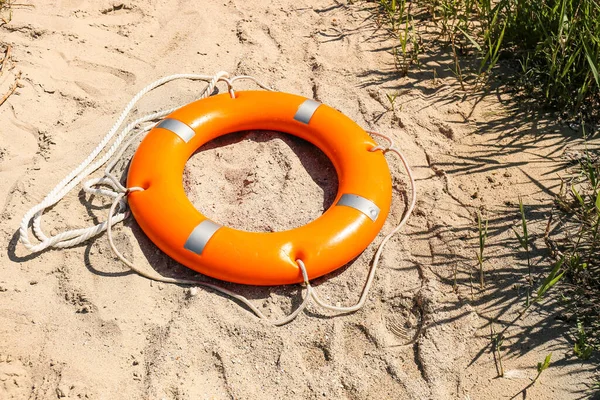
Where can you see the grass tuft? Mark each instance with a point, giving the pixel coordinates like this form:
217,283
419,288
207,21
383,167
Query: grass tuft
542,366
579,247
555,45
524,238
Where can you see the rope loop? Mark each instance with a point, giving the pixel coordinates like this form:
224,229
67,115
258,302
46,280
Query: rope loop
384,149
302,268
379,147
133,189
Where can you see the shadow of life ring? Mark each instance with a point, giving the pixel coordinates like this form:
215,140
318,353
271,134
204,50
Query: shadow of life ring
169,219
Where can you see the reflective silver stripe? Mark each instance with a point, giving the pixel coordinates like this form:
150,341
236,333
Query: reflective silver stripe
306,111
363,205
200,236
178,128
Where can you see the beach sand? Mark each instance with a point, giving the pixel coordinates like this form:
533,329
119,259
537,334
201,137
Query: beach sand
76,323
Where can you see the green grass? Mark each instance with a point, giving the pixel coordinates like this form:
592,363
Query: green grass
552,45
396,16
542,366
582,349
524,238
551,280
579,246
547,53
482,227
558,46
497,342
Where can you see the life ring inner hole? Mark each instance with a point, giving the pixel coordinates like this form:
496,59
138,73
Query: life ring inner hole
260,181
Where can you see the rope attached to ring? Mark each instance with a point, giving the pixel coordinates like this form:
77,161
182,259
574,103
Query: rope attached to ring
365,291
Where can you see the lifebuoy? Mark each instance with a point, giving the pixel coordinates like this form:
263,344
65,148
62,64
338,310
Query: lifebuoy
169,219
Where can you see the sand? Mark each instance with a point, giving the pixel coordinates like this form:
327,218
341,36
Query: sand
76,323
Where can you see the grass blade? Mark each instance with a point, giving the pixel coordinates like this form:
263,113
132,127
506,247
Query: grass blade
551,279
591,62
473,41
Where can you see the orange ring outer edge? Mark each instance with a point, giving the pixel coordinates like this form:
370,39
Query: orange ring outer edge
167,217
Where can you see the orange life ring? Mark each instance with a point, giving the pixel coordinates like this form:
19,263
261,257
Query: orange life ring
170,220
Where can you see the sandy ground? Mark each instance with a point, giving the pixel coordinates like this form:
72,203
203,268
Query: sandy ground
76,324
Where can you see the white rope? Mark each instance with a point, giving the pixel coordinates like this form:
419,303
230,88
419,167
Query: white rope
77,236
156,277
413,201
110,186
310,291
